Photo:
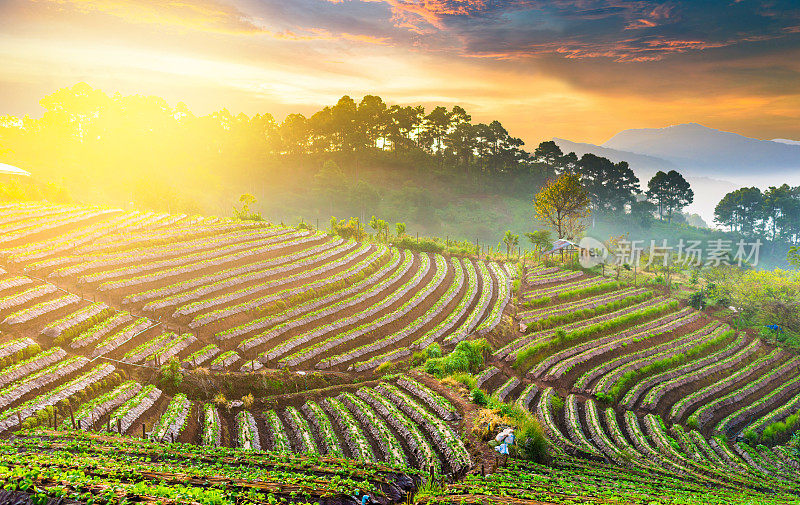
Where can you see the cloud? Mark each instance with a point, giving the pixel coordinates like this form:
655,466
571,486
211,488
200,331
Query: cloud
208,15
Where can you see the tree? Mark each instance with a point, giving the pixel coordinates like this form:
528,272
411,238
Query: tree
670,191
548,155
643,211
613,186
381,228
510,240
244,213
563,205
793,256
540,239
400,228
741,210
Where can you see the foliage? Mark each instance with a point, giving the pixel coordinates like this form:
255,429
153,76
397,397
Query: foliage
479,397
793,256
612,186
380,227
760,297
670,191
352,228
171,373
511,241
244,212
468,356
540,239
563,206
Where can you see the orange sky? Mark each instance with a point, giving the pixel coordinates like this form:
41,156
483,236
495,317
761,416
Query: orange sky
576,69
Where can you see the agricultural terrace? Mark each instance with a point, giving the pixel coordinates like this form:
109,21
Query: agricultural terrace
104,312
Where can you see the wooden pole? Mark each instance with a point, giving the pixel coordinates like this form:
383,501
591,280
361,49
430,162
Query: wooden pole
119,426
142,430
72,415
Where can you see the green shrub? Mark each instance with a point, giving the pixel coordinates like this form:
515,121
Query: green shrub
466,379
466,357
434,350
479,397
384,368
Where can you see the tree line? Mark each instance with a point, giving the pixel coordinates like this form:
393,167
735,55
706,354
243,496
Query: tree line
774,213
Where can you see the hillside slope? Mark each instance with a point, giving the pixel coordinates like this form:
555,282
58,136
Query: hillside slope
624,381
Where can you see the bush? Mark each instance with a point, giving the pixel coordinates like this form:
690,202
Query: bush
532,444
171,373
466,357
384,368
418,358
465,379
434,350
479,397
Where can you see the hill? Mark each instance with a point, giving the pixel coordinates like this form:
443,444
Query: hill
244,342
703,151
710,190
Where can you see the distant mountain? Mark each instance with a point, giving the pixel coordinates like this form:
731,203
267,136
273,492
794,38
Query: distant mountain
701,151
708,191
787,141
639,162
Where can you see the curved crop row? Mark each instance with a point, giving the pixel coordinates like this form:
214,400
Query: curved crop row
224,360
492,319
462,331
318,308
574,429
162,294
117,338
702,395
212,429
441,434
127,414
233,278
302,430
331,342
280,442
387,442
40,379
355,439
708,410
20,298
405,427
30,313
100,330
747,411
319,419
202,355
89,413
408,306
173,420
247,432
431,398
10,417
31,365
637,390
232,296
359,258
637,364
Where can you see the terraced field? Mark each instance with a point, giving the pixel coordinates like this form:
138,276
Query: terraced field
633,379
623,380
143,288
